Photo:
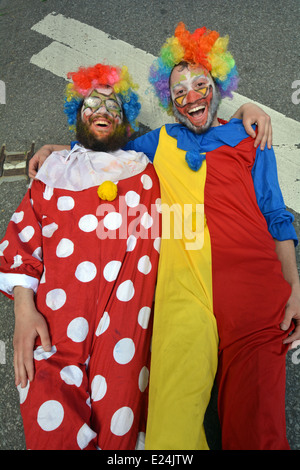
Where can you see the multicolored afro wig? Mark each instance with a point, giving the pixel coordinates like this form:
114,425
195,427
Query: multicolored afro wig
85,80
203,47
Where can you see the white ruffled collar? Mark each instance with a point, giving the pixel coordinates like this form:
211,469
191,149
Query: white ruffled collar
80,168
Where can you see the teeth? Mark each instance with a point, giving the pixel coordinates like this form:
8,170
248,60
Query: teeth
101,123
198,108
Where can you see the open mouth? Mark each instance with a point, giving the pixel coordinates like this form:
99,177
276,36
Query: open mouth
102,123
197,112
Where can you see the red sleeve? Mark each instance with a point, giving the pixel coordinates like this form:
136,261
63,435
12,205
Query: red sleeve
21,246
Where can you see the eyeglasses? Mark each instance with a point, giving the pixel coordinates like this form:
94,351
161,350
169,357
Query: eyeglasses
96,102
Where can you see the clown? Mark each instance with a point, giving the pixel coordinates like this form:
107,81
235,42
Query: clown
79,261
195,97
204,308
220,305
108,110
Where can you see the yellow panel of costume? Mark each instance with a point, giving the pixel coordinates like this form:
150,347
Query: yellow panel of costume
183,303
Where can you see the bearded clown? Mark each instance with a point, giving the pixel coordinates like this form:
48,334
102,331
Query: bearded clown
108,105
203,48
82,273
220,294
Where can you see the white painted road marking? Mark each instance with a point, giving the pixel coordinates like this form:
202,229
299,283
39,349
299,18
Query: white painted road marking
77,44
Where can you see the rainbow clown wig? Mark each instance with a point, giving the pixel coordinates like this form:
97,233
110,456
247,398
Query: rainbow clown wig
203,47
85,80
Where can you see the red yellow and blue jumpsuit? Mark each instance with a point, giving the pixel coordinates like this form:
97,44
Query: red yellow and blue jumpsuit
218,308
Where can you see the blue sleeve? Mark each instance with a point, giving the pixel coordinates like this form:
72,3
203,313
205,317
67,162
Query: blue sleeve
269,196
146,143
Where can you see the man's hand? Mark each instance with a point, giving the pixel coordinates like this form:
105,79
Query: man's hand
40,156
250,114
29,324
286,254
292,313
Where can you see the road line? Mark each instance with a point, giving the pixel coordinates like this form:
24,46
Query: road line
76,44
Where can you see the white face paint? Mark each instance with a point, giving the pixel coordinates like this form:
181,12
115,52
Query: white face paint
102,111
194,95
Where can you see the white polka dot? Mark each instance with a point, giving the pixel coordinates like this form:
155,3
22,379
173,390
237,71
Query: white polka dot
103,324
143,379
23,392
143,317
78,329
17,262
50,415
88,223
49,229
56,298
140,442
26,234
65,248
98,388
147,181
43,278
72,375
3,245
112,221
88,401
144,265
48,193
122,421
158,204
125,291
132,199
111,270
146,220
40,354
38,253
84,436
17,217
124,351
86,271
156,244
65,203
131,242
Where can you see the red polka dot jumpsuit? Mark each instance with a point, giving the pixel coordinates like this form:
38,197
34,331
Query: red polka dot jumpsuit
96,262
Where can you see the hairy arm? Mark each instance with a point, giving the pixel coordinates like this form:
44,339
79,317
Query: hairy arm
29,324
40,156
250,114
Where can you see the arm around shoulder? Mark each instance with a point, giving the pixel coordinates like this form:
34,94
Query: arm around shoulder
40,156
251,114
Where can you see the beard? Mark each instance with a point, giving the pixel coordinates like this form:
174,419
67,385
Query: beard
110,143
212,112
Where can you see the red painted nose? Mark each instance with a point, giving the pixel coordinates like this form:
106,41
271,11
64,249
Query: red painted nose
192,96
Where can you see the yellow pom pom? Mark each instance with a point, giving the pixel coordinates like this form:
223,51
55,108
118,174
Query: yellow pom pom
107,191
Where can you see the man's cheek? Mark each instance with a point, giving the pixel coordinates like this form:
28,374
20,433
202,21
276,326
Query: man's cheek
85,115
209,97
181,110
118,119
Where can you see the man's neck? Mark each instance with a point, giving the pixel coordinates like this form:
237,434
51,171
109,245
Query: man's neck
215,122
